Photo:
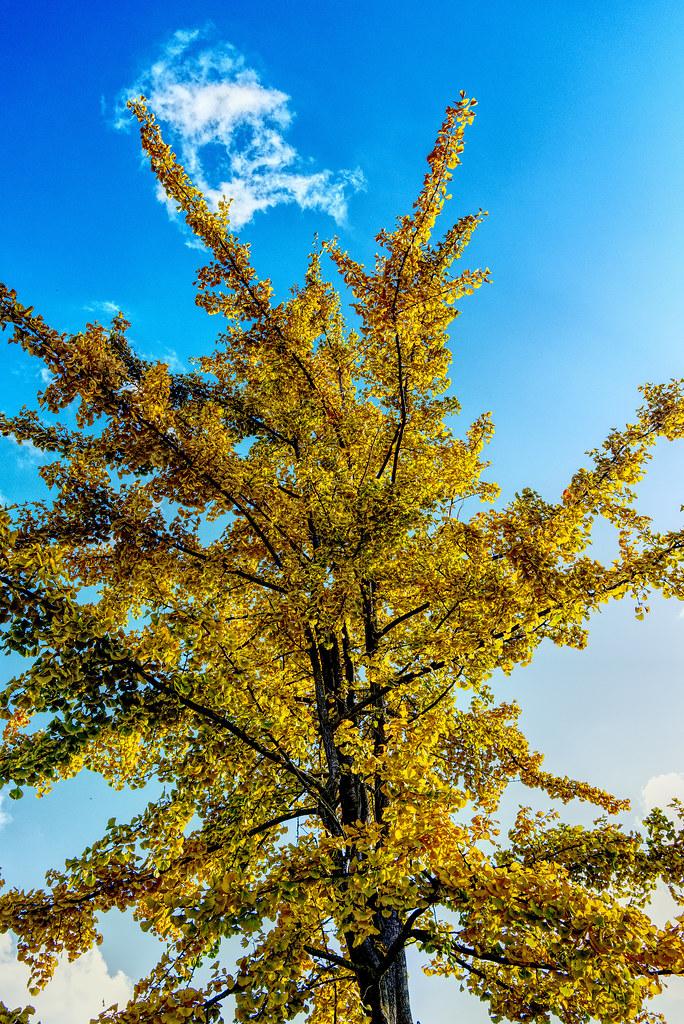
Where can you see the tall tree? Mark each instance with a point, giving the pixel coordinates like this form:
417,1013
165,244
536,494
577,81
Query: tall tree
256,585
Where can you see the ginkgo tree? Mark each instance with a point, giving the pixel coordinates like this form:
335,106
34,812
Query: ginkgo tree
277,587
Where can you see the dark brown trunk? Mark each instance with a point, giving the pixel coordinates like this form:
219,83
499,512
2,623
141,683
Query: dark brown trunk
385,995
386,999
394,993
394,990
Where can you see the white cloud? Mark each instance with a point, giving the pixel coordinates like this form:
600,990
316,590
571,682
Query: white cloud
661,789
27,454
78,991
658,792
229,130
168,356
196,243
5,818
105,307
661,907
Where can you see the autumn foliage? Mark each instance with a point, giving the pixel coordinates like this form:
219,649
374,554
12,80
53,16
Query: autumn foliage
278,586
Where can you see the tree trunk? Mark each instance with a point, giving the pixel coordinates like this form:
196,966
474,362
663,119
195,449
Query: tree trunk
394,993
385,998
387,1001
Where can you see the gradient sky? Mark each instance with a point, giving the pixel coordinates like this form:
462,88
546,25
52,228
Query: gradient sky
577,154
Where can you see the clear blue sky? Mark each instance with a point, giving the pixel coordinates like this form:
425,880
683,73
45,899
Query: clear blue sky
577,154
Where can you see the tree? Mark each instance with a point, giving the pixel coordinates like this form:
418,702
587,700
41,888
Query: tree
256,585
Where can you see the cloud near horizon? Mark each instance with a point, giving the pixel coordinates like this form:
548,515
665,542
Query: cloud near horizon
229,130
661,789
77,992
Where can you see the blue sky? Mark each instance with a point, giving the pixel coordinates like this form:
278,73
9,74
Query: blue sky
577,154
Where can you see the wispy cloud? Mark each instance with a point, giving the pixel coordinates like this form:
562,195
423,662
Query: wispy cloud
104,307
78,991
5,818
168,356
27,455
229,129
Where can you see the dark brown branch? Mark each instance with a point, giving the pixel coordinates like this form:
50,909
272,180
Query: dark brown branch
203,556
407,677
302,812
169,443
388,454
250,577
323,710
25,324
403,408
406,932
326,954
433,703
481,974
423,935
279,758
402,618
222,995
309,782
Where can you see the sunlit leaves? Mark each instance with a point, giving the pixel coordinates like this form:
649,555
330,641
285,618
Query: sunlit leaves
274,590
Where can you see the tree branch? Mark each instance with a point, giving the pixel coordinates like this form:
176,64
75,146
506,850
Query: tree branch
402,618
326,954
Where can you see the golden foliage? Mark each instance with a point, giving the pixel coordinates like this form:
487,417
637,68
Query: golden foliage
310,687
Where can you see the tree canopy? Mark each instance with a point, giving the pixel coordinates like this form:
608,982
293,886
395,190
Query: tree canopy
277,587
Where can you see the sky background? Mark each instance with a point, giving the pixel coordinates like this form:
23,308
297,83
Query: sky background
318,118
